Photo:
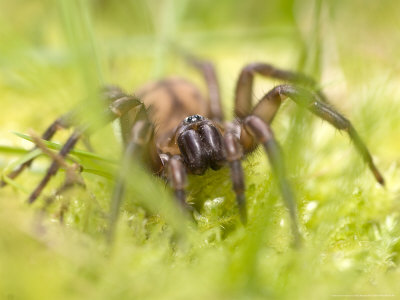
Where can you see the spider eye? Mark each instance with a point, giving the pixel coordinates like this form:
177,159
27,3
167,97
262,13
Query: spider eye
193,119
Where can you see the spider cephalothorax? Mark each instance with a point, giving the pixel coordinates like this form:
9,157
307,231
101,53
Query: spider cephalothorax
186,133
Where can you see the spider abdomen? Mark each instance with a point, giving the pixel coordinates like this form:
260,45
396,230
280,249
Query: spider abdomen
170,101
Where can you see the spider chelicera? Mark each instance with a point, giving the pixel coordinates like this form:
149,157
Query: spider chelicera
179,132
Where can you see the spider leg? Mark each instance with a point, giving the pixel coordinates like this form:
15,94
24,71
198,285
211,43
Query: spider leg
140,145
73,178
207,69
72,173
177,177
69,145
244,85
110,93
62,122
269,104
262,133
116,109
234,154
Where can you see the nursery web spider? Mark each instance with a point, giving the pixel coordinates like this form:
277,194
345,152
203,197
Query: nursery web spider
181,133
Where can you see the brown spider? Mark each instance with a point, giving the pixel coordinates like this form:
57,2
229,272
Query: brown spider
183,133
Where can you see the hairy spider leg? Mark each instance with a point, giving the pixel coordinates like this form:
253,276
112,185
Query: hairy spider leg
62,122
207,69
255,131
234,154
140,144
255,121
68,146
244,86
262,134
270,103
116,109
69,183
72,173
177,177
67,120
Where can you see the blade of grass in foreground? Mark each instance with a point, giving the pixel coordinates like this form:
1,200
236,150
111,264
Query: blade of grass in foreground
14,184
28,156
12,150
78,153
37,152
78,30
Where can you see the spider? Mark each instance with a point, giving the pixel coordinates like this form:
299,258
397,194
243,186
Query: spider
178,131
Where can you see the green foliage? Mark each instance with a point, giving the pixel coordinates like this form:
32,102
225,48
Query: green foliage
53,54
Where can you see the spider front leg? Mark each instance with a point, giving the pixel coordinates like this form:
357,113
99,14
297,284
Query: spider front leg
315,101
177,177
256,131
270,103
116,109
142,147
234,154
244,85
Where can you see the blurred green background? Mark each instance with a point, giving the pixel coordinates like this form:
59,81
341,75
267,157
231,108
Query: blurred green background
55,54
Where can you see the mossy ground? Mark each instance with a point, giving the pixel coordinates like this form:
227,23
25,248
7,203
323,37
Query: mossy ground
54,54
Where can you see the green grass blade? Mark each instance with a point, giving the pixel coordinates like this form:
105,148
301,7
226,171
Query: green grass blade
14,184
78,153
12,150
30,155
